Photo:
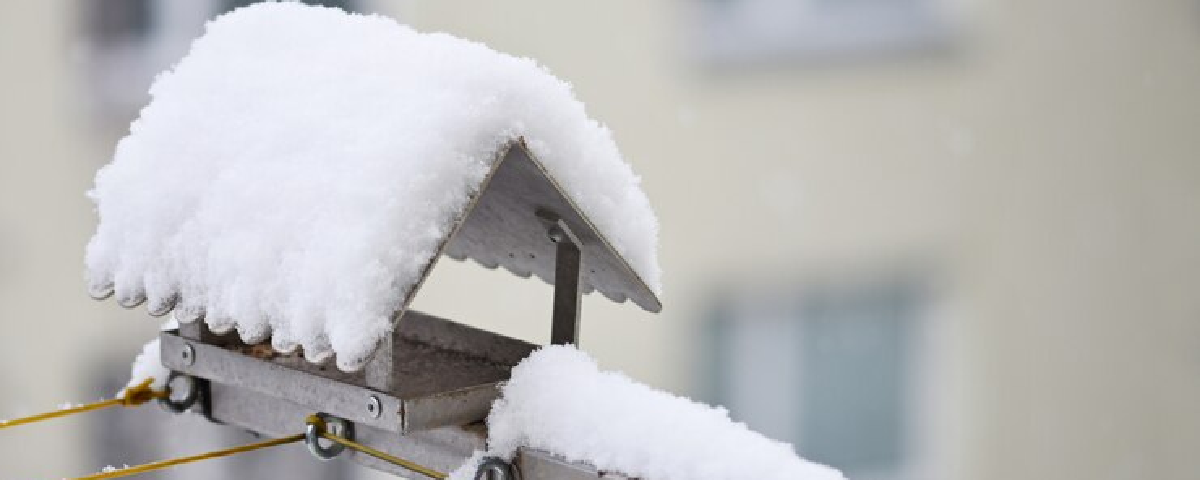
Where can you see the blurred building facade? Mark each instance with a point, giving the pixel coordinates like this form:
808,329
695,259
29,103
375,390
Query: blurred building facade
968,234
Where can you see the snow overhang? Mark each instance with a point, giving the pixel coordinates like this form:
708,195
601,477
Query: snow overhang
299,187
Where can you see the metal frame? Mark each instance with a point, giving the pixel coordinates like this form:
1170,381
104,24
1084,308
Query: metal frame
271,399
430,373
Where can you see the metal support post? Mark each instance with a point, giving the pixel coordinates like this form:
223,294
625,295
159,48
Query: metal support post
568,291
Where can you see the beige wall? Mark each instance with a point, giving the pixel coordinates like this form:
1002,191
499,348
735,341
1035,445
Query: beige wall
52,332
1049,169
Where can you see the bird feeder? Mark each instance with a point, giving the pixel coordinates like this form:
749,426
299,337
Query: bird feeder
429,384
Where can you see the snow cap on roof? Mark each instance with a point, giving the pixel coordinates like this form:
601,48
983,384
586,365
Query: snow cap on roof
298,170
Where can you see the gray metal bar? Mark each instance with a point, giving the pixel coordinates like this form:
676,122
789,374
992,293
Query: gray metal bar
457,407
317,393
538,464
442,449
568,291
199,331
446,334
431,373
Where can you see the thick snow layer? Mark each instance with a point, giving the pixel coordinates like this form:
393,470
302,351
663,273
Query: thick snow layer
295,172
559,401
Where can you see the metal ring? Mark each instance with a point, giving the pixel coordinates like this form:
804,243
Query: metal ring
191,393
493,468
335,426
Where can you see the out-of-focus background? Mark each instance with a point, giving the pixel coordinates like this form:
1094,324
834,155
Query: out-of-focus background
917,239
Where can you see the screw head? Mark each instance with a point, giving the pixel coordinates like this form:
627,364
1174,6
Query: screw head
188,354
374,407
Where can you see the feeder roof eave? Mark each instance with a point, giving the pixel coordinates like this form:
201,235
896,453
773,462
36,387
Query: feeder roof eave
500,227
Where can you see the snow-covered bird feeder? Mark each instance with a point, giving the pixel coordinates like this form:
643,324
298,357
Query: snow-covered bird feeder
429,372
297,177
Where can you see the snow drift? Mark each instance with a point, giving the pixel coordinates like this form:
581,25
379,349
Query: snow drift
558,400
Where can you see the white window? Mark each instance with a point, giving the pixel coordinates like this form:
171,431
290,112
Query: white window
750,31
127,42
835,369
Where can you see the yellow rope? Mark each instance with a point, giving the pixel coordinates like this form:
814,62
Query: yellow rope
142,393
131,397
124,472
313,419
428,472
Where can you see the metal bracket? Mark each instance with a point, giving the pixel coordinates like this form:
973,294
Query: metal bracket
272,399
493,468
185,392
568,289
336,426
429,373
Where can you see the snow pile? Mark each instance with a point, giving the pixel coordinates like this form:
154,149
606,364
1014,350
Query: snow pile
559,401
148,364
294,174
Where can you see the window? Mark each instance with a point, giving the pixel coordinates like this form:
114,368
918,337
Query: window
128,42
832,368
117,21
749,31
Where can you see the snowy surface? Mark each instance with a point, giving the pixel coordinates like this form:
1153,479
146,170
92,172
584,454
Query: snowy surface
148,364
293,175
559,401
